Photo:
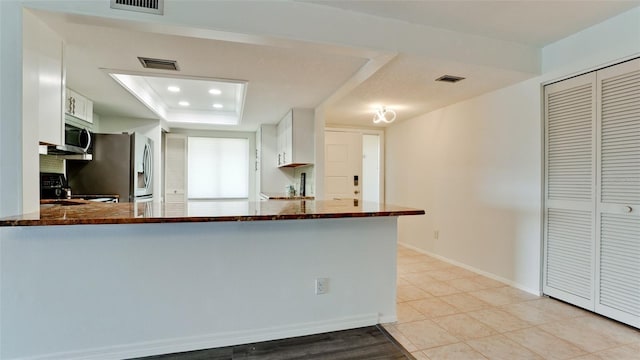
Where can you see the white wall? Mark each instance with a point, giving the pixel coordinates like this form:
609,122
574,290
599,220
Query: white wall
475,166
142,289
616,38
32,72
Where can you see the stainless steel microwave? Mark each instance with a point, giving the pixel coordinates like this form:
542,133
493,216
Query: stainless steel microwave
76,141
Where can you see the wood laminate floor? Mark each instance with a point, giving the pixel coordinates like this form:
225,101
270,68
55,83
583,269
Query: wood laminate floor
370,343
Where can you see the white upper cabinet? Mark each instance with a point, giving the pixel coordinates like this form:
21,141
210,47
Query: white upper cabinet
78,106
269,178
295,138
43,80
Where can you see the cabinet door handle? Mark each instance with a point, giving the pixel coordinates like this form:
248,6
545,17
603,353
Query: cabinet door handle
72,105
278,159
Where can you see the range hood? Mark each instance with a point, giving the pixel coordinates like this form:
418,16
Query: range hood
67,152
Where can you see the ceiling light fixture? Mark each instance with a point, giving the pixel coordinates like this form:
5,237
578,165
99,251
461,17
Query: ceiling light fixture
384,115
173,89
193,104
215,92
217,106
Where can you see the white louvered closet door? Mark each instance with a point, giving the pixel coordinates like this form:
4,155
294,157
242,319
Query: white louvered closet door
569,233
618,206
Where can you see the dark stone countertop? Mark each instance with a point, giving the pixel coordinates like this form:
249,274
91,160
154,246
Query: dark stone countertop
283,196
94,196
84,212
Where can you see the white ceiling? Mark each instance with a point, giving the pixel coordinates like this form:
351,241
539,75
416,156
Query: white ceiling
529,22
180,100
307,71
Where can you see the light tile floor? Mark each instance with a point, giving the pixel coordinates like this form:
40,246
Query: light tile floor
446,312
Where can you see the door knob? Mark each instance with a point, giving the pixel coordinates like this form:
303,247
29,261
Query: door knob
629,209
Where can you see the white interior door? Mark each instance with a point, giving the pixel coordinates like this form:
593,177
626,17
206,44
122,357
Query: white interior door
343,165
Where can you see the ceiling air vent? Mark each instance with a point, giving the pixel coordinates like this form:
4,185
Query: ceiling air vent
161,64
145,6
449,78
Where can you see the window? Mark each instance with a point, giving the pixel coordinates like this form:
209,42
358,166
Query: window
217,168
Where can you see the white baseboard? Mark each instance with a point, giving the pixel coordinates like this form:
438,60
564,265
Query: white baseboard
387,319
511,283
208,341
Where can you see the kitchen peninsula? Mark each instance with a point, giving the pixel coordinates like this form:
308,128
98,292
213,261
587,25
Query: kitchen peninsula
125,280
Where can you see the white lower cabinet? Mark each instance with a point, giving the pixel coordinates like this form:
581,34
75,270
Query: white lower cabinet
592,191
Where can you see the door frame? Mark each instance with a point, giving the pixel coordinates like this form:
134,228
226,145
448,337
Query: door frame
364,131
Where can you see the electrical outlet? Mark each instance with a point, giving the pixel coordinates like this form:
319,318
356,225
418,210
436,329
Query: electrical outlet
322,286
436,234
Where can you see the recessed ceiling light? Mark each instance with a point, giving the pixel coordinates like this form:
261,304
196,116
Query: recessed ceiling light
173,89
217,106
215,92
180,108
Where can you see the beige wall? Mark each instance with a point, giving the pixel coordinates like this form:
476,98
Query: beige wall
475,166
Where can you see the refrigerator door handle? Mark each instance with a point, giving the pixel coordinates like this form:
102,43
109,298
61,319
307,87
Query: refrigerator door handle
147,166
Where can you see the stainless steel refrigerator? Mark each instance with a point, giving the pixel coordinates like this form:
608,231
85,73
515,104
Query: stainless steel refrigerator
122,165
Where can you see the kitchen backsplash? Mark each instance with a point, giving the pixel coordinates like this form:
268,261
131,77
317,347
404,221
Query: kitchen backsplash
310,183
51,164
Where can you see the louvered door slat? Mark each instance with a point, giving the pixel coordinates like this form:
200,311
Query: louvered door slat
623,98
569,96
570,108
620,140
630,127
570,141
619,113
568,133
624,81
571,122
620,262
569,251
623,118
